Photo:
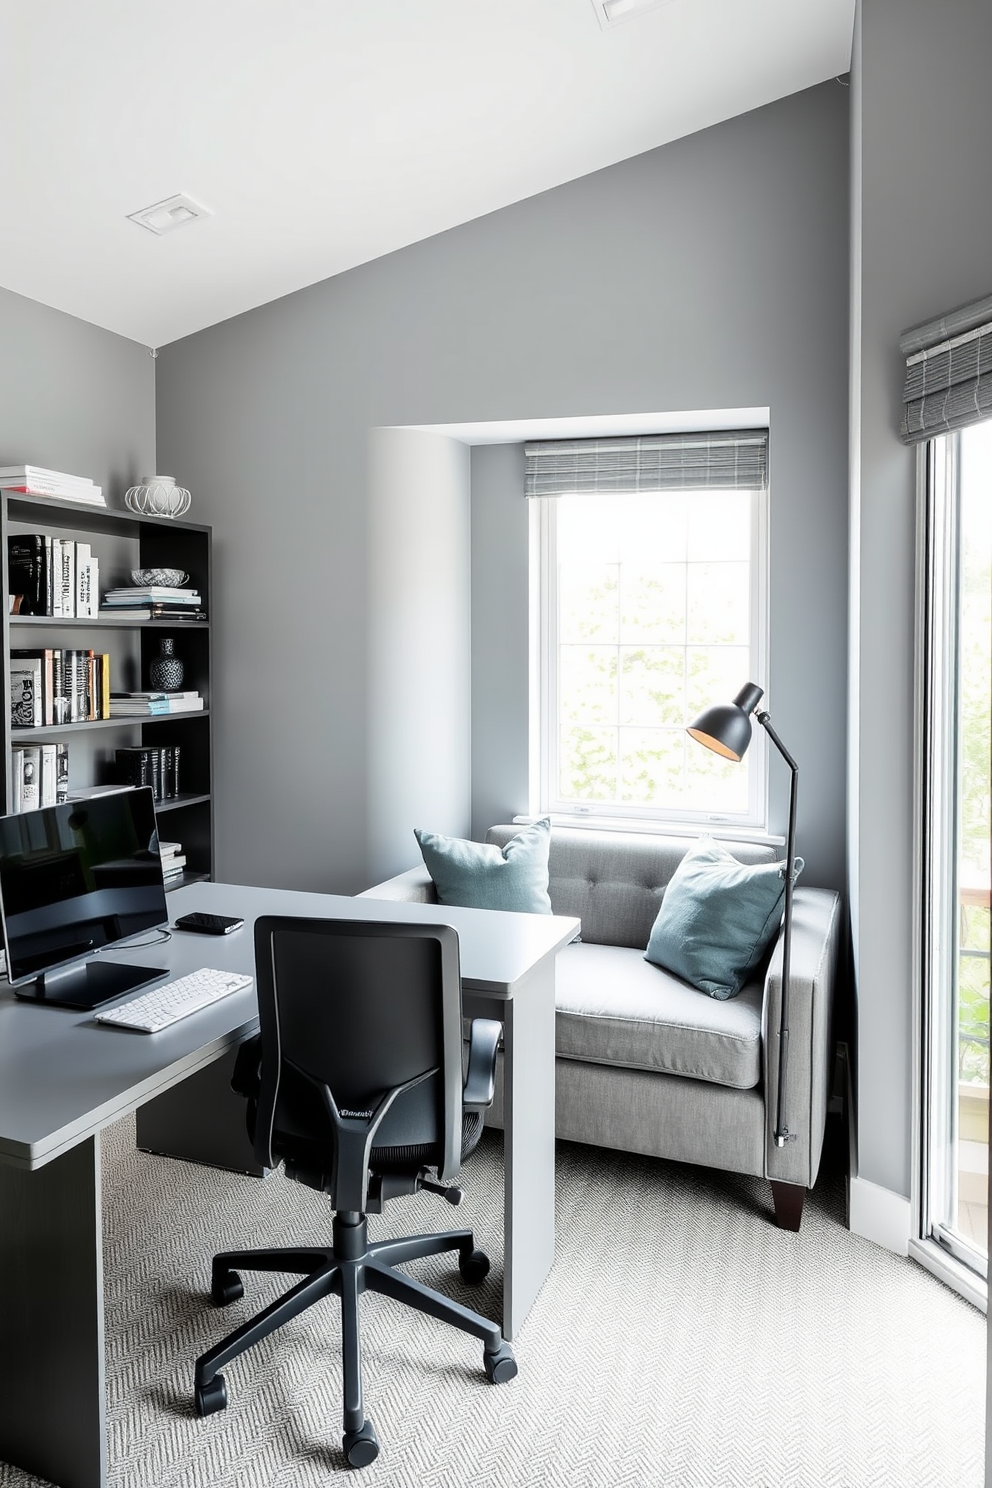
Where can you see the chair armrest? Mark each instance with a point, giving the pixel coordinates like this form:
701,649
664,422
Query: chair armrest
480,1077
413,887
816,950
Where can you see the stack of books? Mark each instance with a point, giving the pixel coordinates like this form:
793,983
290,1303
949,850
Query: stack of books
35,480
51,576
154,765
53,685
173,860
153,602
40,775
153,704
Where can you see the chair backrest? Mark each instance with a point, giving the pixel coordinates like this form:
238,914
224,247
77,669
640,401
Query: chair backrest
361,1038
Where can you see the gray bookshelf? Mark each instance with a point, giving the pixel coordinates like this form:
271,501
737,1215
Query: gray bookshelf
121,541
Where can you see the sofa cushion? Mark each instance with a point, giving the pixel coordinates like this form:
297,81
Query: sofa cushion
717,919
477,875
615,1008
613,881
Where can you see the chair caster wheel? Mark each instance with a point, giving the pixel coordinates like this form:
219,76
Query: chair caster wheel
210,1397
361,1447
501,1365
474,1266
226,1288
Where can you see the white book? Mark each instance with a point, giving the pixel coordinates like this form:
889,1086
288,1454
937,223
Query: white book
153,591
87,792
47,793
81,589
26,473
30,777
155,710
26,709
150,697
88,588
68,576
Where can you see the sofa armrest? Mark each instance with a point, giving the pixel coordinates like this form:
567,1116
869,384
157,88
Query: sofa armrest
816,949
414,887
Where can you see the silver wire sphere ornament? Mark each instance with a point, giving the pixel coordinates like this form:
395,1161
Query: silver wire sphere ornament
158,496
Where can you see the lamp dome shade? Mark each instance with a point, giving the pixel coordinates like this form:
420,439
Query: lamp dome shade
726,727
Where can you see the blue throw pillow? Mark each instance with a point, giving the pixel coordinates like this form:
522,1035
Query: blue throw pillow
479,875
717,919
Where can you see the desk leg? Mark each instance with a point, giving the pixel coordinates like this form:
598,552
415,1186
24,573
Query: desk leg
529,1142
528,1019
52,1391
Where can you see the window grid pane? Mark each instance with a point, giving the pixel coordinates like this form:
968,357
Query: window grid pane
653,620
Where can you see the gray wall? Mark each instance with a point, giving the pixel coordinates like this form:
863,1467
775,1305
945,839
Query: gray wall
922,229
500,636
74,397
419,625
709,273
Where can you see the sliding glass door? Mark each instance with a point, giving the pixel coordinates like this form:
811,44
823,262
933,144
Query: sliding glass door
956,765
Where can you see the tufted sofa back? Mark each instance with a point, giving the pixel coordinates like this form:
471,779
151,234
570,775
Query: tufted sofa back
615,881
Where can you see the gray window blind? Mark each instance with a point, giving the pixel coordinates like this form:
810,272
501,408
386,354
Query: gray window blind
736,458
948,372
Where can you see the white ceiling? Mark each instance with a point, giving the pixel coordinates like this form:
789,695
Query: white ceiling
324,133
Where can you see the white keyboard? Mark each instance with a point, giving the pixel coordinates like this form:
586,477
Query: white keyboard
165,1005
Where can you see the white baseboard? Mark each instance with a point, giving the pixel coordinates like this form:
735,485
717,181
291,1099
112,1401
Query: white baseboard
880,1215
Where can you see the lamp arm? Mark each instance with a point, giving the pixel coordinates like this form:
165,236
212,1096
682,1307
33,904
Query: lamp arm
782,1133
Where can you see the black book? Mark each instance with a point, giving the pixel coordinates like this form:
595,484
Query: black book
134,766
26,571
171,770
61,772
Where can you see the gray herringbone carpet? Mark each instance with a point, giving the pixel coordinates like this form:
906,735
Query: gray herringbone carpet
680,1340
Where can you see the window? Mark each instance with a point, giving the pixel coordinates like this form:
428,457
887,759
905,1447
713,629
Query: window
649,606
956,766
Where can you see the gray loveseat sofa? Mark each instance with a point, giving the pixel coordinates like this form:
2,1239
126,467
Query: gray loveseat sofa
646,1063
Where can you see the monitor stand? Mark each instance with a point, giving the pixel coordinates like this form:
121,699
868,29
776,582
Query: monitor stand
88,986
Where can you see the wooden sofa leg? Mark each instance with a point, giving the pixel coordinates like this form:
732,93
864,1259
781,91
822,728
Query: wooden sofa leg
788,1199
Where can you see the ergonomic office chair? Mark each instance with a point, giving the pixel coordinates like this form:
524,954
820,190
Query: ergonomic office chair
355,1083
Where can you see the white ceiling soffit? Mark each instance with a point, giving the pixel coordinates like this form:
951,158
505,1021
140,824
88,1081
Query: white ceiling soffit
599,425
324,133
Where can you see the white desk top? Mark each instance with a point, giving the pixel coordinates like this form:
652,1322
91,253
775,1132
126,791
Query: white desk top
63,1076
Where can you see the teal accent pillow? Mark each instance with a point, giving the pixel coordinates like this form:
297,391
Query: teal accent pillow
717,919
479,875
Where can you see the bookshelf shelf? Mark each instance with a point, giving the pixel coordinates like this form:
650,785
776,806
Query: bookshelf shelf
184,879
186,798
101,622
68,730
120,541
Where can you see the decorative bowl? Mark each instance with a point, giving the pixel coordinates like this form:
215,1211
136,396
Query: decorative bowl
158,496
171,578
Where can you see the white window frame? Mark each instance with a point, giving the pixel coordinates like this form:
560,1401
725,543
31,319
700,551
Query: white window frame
544,685
933,1244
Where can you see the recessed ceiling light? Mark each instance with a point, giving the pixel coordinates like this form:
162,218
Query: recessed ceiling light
611,12
164,216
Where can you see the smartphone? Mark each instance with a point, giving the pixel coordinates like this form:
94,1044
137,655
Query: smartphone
209,924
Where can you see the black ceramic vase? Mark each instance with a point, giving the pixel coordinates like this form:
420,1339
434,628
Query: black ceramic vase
166,671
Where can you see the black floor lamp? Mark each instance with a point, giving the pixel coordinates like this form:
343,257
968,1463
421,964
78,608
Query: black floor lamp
726,729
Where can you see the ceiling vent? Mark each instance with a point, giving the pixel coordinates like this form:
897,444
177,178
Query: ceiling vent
165,216
612,13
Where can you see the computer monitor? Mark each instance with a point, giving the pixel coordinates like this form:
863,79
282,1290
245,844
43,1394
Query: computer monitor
74,879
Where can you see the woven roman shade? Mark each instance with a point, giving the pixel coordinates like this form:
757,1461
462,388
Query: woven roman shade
734,458
948,372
